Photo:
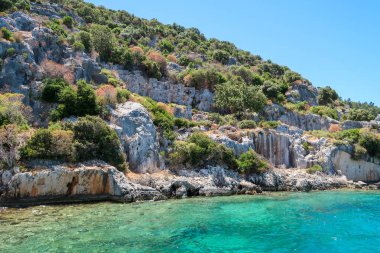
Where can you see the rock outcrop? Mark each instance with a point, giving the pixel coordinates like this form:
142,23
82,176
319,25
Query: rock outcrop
61,184
301,91
138,136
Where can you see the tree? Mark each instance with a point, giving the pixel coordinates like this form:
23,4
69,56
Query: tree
5,5
327,96
68,21
86,100
235,96
221,56
103,41
85,38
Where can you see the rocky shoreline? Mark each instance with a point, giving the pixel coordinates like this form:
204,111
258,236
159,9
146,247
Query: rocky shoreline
97,181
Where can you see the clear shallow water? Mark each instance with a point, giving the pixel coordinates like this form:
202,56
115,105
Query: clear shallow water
287,222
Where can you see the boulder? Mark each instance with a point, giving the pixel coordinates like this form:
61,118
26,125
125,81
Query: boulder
138,136
23,22
301,91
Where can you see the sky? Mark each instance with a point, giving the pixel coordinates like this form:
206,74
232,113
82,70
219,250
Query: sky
329,42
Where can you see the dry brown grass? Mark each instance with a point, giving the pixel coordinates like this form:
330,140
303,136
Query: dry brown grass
56,70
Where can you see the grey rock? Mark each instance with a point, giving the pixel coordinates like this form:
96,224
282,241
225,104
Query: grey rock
138,136
23,22
300,92
6,177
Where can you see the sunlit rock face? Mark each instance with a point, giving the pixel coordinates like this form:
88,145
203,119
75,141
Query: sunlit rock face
81,183
138,135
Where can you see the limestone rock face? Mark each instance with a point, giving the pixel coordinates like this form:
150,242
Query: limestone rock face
167,92
83,183
377,118
361,170
300,92
138,136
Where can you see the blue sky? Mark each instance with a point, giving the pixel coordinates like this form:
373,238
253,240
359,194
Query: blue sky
330,42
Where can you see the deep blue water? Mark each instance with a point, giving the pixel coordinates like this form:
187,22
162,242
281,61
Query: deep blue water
336,221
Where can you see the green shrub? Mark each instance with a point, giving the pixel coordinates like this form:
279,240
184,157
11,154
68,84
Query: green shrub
6,33
78,46
85,39
47,143
298,107
327,96
86,100
307,146
325,111
199,150
351,136
11,51
314,169
52,88
359,152
58,30
68,21
269,124
202,78
184,60
361,115
102,40
184,123
229,119
247,124
94,139
152,69
221,56
166,46
235,96
247,75
13,111
122,95
370,141
249,162
5,5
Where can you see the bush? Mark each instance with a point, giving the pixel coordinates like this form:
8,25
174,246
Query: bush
159,59
95,140
86,100
184,123
360,115
370,141
269,124
5,5
228,119
13,111
247,75
85,39
235,96
298,107
314,169
247,124
325,111
102,40
6,34
166,46
78,46
52,88
46,143
221,56
68,21
203,78
152,69
122,95
11,51
327,96
199,150
359,152
106,95
249,162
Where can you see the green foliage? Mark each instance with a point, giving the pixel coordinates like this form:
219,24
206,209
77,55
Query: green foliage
5,5
229,120
86,100
122,95
166,46
102,40
325,111
85,38
11,51
327,96
249,162
247,124
184,123
199,150
314,169
68,21
47,143
93,139
351,136
298,107
361,115
152,69
6,34
221,56
247,75
52,88
13,111
269,124
78,102
307,146
56,27
371,142
202,78
236,96
78,46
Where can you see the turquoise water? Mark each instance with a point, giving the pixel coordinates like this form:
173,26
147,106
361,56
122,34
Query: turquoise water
287,222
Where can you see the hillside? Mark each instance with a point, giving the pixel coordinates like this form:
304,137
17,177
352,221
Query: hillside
81,83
